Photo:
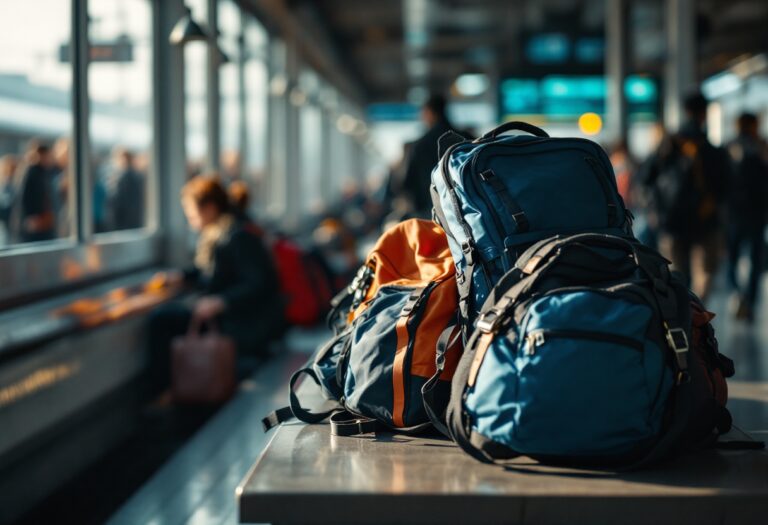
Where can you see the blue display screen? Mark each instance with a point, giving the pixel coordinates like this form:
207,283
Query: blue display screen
567,97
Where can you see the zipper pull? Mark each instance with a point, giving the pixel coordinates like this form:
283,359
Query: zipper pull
534,339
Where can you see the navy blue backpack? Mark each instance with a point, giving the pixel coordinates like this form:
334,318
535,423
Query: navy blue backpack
581,356
497,195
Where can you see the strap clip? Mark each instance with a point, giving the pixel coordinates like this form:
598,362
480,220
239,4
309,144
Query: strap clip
489,321
414,300
467,250
521,221
678,342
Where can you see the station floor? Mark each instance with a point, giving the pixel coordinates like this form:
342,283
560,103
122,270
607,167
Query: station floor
196,484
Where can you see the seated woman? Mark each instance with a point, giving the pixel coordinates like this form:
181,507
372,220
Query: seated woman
234,272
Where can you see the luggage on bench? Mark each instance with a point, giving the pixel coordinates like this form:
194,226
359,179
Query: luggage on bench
396,343
499,194
581,356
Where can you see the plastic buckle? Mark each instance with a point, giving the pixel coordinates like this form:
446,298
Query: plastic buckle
489,321
411,304
521,221
677,340
466,249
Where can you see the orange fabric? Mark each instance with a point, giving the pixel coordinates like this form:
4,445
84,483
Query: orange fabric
427,257
440,311
414,254
398,373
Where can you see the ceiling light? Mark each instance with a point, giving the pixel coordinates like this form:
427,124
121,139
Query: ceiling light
187,30
472,84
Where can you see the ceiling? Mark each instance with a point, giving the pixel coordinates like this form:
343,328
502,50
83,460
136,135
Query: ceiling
391,46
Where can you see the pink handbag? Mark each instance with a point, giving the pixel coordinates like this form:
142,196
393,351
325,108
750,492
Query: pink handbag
203,366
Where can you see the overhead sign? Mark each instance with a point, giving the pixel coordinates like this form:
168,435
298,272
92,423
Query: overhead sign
383,112
120,51
567,97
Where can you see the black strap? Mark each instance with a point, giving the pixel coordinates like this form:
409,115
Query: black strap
273,419
511,206
740,445
464,285
444,343
447,140
514,126
296,410
345,423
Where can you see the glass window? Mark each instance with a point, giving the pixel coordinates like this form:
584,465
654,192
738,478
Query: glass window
310,141
35,121
278,128
195,79
120,93
256,100
230,86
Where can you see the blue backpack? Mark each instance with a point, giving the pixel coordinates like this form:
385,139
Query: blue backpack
497,195
581,356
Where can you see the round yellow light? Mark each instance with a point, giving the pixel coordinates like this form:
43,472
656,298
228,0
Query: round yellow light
590,123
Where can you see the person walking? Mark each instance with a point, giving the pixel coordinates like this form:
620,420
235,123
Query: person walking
747,202
688,179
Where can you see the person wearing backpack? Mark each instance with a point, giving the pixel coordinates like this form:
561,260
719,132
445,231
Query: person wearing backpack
687,178
747,203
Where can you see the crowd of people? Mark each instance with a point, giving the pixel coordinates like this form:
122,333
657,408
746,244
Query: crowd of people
703,205
36,201
699,204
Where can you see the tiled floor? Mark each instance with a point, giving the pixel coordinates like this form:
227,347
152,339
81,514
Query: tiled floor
197,485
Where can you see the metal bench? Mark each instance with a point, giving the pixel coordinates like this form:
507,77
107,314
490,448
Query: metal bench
306,475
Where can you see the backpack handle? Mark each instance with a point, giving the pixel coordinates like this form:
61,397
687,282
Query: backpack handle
515,125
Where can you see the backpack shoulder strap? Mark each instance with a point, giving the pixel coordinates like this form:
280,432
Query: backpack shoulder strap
295,410
446,341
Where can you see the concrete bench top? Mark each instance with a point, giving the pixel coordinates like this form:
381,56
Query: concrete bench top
306,475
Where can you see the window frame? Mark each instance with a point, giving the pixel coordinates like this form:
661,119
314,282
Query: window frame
32,269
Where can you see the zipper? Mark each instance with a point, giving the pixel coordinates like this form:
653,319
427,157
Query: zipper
603,179
537,338
597,167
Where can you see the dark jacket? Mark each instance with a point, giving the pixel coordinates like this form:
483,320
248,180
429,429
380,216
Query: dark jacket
422,159
243,274
687,181
127,201
36,200
748,195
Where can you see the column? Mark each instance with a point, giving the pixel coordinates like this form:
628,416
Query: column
680,66
616,66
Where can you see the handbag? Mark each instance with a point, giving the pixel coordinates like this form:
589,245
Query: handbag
203,365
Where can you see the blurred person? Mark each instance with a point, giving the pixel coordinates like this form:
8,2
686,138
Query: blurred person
624,167
424,156
233,271
240,198
100,196
747,203
125,192
231,167
61,185
8,166
36,214
687,177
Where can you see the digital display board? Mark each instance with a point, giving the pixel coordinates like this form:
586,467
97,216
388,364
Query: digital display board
561,97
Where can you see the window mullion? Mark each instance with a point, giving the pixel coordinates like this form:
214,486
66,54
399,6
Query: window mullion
82,173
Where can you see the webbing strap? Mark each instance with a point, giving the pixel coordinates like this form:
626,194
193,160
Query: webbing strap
511,206
345,423
448,338
398,366
296,410
273,419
